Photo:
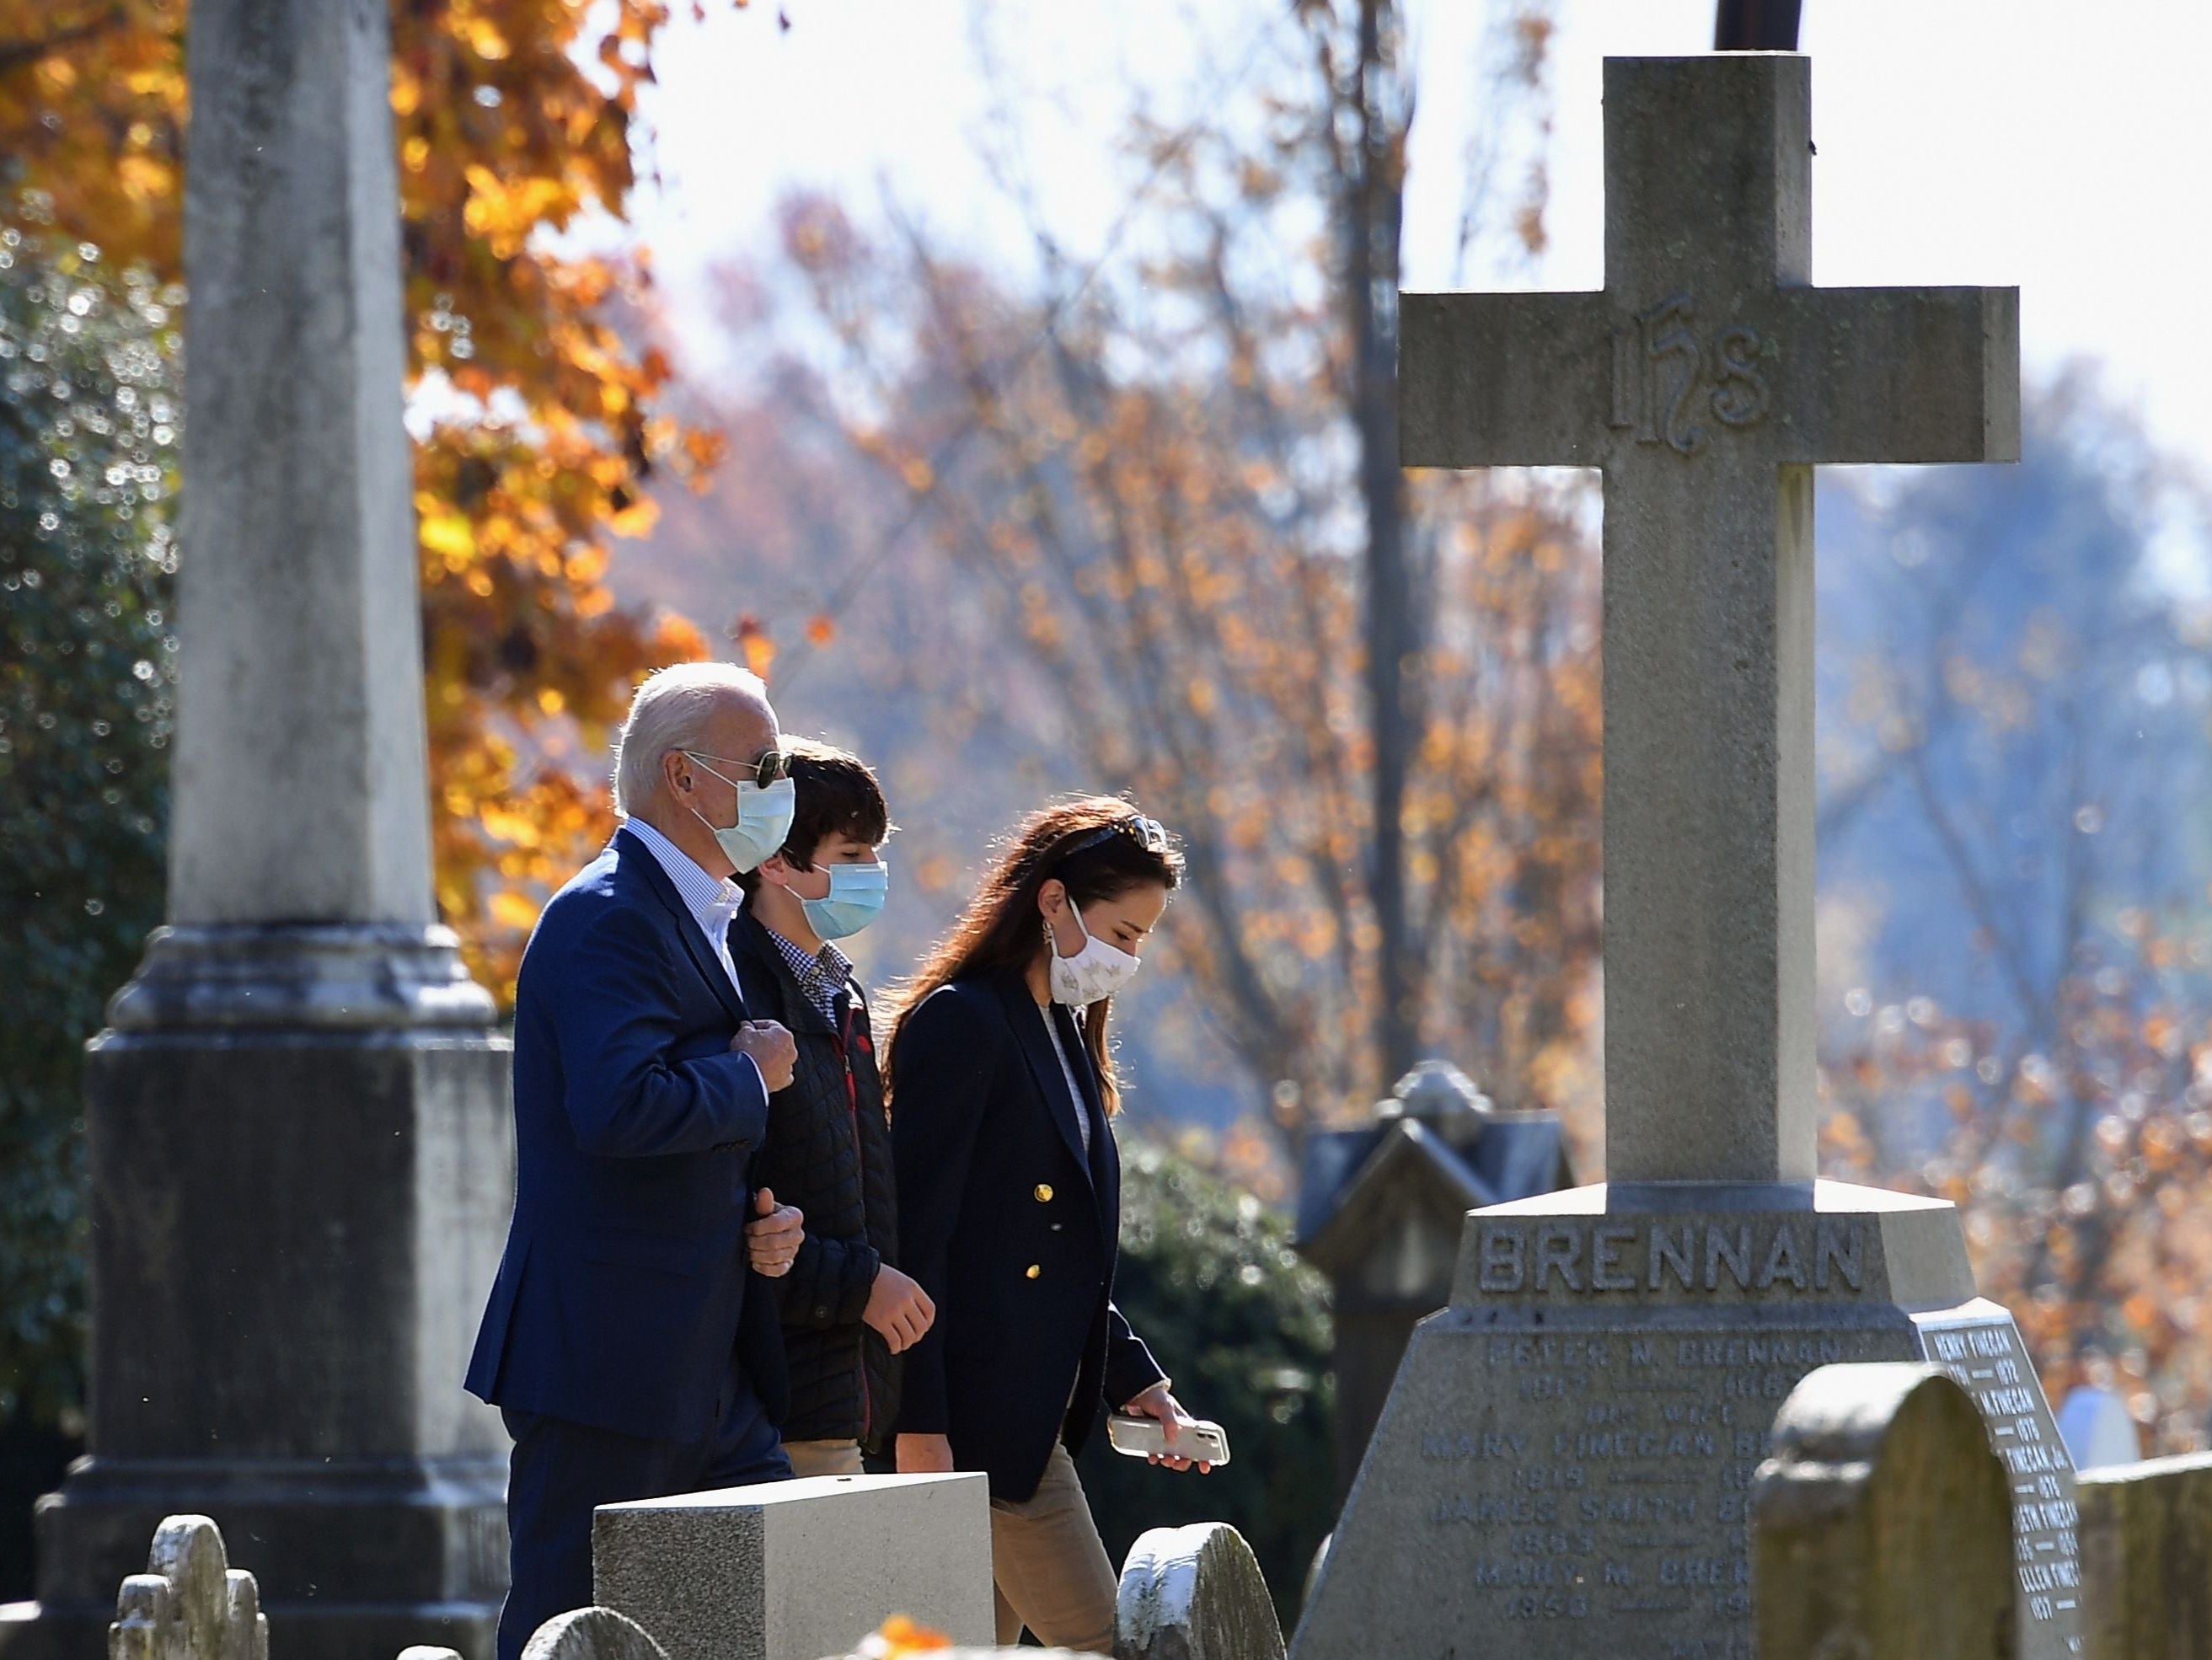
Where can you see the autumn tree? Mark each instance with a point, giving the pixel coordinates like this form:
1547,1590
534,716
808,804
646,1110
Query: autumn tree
546,437
1148,513
2017,943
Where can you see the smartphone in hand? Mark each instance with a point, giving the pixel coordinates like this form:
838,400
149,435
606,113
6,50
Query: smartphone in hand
1201,1439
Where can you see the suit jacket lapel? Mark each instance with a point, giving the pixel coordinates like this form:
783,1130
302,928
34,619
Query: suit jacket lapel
1036,1045
632,851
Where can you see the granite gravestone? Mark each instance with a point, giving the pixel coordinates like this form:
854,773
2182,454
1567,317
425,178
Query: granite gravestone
1194,1593
1883,1523
1564,1463
299,1149
2146,1559
2098,1428
190,1604
805,1567
593,1634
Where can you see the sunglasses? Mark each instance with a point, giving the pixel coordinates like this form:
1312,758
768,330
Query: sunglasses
1147,833
771,765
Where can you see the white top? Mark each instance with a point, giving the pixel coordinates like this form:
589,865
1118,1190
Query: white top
713,901
1067,1071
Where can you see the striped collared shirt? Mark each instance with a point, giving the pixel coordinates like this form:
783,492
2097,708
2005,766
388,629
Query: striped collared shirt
713,901
821,976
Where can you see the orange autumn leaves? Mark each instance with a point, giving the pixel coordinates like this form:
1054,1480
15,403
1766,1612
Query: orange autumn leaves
546,433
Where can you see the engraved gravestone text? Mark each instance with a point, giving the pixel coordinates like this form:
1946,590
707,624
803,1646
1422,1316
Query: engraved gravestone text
1661,365
1609,1477
1985,1357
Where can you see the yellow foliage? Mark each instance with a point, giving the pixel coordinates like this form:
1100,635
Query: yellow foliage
527,654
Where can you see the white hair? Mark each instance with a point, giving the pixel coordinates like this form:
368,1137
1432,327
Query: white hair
671,712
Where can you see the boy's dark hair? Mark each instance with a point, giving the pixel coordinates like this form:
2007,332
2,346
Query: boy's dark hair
837,795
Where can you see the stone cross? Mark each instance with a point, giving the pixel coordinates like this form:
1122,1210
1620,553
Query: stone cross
1706,379
1883,1523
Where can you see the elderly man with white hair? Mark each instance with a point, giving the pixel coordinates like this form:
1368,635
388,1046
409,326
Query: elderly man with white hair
629,1342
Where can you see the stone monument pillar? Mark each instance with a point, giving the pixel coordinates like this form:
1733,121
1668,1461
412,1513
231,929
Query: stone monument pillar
1564,1463
300,1144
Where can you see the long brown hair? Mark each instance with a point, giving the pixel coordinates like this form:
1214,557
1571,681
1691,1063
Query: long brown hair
1001,929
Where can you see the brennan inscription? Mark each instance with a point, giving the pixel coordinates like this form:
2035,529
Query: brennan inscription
1637,1253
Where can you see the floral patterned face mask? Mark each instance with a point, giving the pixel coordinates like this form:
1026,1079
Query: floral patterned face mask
1095,972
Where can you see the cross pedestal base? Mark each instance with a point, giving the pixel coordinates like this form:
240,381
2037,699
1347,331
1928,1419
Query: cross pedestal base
1564,1466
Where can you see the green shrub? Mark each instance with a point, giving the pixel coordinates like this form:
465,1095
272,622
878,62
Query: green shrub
1209,1281
88,453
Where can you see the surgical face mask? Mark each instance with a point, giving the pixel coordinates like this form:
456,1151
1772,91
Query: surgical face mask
856,895
763,819
1096,972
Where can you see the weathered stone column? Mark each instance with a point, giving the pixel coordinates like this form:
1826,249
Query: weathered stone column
300,1150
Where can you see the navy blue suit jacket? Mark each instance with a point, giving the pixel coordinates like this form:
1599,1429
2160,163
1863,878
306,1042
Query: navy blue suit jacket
622,1294
1012,1231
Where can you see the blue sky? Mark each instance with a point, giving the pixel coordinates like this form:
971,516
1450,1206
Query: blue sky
2062,147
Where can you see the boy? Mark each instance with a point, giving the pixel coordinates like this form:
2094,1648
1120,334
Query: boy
847,1308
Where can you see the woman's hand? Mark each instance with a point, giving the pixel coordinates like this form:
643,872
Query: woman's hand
925,1455
1156,1402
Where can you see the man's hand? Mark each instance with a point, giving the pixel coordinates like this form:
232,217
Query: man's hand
899,1308
772,1050
1156,1402
925,1455
772,1239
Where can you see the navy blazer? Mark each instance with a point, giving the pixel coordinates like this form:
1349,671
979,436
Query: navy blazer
622,1296
1011,1231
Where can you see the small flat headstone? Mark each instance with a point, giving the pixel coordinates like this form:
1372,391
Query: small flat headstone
740,1574
1194,1593
1882,1524
2099,1429
2147,1560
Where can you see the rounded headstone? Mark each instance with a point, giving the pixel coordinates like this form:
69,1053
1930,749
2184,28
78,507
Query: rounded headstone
1194,1593
592,1634
188,1553
2098,1429
1882,1524
1313,1569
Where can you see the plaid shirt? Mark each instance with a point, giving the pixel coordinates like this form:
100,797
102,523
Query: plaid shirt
822,978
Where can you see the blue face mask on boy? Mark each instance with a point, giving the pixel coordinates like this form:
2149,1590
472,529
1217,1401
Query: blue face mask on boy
856,895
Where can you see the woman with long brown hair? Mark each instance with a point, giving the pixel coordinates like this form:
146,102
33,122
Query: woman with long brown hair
1002,1083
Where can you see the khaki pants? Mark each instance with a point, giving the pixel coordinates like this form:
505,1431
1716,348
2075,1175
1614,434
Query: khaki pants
824,1457
1051,1568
